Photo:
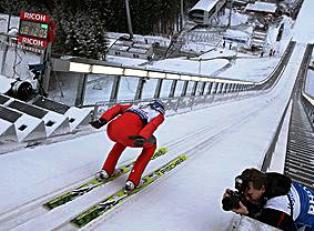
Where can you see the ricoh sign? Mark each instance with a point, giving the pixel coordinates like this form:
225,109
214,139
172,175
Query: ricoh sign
36,17
33,42
36,31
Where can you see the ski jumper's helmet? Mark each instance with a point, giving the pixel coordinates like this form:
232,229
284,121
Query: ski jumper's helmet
158,105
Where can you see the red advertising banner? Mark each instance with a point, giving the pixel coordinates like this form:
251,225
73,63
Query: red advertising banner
34,42
34,17
36,30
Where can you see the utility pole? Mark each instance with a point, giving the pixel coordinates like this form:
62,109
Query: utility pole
231,6
45,74
200,66
128,16
6,48
182,15
9,21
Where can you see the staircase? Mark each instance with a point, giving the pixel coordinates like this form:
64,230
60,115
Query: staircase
299,163
258,39
43,118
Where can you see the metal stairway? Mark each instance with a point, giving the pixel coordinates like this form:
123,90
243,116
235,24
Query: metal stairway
31,122
299,163
300,149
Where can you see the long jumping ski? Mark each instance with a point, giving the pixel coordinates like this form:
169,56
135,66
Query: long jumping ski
94,183
122,195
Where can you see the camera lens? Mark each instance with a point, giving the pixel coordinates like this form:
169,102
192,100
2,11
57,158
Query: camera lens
231,202
228,203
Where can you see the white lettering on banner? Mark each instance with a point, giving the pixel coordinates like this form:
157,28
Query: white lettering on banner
311,210
311,200
34,42
34,16
32,49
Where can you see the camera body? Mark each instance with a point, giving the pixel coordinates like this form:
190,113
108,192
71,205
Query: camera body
22,90
231,202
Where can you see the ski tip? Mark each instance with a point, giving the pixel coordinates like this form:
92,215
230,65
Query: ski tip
184,156
160,152
163,149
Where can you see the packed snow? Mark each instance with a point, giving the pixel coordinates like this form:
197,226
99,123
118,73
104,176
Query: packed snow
191,191
5,84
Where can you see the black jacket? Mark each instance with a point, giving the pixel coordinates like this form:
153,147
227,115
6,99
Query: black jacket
277,185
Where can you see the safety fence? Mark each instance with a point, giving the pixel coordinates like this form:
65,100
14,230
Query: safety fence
87,84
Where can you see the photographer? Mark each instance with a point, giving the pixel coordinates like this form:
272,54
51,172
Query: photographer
271,198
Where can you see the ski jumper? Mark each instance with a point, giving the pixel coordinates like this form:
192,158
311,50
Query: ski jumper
129,121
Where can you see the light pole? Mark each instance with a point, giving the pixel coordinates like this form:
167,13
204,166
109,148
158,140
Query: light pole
231,6
182,15
6,46
128,16
9,21
200,66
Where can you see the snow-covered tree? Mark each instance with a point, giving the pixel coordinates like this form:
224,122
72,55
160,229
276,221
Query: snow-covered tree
116,17
81,28
85,34
12,6
81,23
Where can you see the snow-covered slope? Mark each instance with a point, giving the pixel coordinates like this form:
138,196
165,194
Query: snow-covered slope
221,141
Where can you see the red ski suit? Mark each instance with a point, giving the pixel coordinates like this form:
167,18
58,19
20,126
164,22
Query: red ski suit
121,129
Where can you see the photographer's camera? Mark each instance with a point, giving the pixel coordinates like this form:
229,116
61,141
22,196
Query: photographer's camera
231,202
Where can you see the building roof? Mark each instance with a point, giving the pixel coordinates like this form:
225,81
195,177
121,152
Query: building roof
236,36
119,47
261,7
137,50
205,5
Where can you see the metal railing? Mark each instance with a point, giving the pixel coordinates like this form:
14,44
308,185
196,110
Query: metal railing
308,104
197,89
299,86
205,89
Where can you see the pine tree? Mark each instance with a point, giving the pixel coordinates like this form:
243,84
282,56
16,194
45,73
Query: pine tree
139,16
82,32
116,17
12,6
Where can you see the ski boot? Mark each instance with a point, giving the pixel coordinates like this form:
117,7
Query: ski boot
129,186
103,175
